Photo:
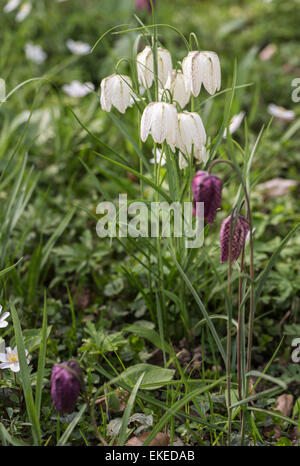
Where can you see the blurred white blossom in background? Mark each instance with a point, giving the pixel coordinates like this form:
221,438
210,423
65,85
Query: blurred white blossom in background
78,47
78,89
35,53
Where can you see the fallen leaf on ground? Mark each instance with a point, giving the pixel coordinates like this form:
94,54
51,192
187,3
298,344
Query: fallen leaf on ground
284,404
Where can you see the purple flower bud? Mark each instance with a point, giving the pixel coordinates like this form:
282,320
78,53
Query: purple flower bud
208,189
238,239
140,4
65,386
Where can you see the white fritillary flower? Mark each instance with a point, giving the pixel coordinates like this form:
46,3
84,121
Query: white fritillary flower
176,85
10,359
190,136
202,68
235,123
160,120
3,318
281,112
23,12
35,53
116,91
78,89
145,66
78,47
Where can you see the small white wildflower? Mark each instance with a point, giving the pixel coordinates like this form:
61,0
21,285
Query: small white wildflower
281,112
23,12
10,359
78,47
3,318
35,53
159,157
11,6
235,123
78,89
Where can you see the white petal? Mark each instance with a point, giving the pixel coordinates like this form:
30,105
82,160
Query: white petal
5,365
210,71
146,122
3,323
164,65
158,122
15,367
3,357
105,99
192,72
145,67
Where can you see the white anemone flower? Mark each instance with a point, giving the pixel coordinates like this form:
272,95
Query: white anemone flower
202,68
235,123
160,120
78,47
281,112
191,136
145,66
10,359
116,91
176,85
3,318
23,12
35,53
11,6
78,89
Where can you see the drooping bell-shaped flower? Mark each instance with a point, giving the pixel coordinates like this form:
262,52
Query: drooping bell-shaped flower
160,120
191,135
240,228
116,91
202,68
176,85
65,386
207,188
145,66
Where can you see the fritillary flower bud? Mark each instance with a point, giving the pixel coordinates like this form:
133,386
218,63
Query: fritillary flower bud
65,386
239,235
207,188
142,4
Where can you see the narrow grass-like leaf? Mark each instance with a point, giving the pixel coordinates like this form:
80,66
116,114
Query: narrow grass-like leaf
128,409
25,378
65,437
41,361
